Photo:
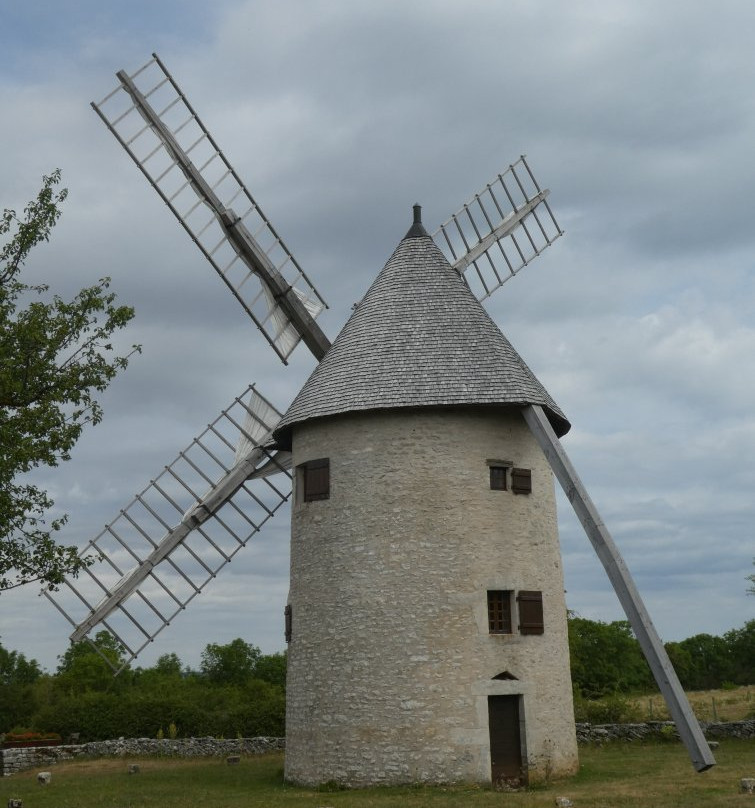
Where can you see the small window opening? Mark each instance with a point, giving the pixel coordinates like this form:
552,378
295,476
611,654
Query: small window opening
499,611
315,479
530,612
499,474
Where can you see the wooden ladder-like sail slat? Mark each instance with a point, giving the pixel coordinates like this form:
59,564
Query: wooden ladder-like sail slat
499,231
175,536
157,126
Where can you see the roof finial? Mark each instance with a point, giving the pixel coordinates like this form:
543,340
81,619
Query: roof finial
417,230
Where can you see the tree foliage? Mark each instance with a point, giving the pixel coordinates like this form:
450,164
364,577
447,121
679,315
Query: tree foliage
19,693
83,697
606,658
741,648
89,665
16,669
702,661
241,691
55,355
271,668
230,664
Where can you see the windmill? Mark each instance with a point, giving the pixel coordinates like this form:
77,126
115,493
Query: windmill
177,534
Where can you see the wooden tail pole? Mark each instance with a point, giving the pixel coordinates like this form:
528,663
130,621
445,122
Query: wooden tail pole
629,597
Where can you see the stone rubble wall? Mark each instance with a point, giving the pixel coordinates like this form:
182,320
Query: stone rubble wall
16,760
656,730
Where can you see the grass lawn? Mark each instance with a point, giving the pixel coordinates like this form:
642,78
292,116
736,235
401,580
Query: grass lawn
630,774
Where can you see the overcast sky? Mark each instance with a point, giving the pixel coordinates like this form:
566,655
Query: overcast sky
640,321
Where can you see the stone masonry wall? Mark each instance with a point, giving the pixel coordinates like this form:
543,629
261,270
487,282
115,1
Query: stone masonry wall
391,662
16,760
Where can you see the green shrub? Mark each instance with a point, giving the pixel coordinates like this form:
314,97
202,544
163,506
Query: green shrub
613,709
669,733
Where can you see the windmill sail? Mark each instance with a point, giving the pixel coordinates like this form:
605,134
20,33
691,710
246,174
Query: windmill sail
499,231
175,536
652,647
156,125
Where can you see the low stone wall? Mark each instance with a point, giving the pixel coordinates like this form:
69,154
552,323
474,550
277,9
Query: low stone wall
655,730
16,760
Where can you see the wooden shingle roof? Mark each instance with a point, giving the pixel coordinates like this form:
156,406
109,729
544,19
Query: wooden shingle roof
419,338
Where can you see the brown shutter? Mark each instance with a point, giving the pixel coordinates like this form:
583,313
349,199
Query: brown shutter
521,481
316,480
530,612
287,618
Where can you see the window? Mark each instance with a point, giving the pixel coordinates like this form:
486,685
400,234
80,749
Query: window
499,470
498,478
314,477
521,481
287,620
530,612
499,611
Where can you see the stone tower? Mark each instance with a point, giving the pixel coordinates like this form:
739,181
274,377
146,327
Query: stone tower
426,617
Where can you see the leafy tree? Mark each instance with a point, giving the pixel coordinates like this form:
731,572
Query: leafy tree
606,658
682,661
741,644
16,669
18,676
162,678
54,356
83,666
168,665
710,662
272,668
231,664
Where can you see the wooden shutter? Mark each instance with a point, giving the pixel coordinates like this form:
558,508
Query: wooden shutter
530,612
316,479
499,611
521,481
287,619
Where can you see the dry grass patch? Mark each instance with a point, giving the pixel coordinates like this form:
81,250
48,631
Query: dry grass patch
734,704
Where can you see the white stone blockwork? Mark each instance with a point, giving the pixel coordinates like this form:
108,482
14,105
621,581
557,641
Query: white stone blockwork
391,662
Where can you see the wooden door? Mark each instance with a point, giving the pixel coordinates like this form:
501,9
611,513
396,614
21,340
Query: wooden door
505,741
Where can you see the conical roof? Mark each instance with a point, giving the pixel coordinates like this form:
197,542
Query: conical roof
419,338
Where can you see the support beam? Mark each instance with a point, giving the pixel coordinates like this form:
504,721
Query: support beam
629,597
